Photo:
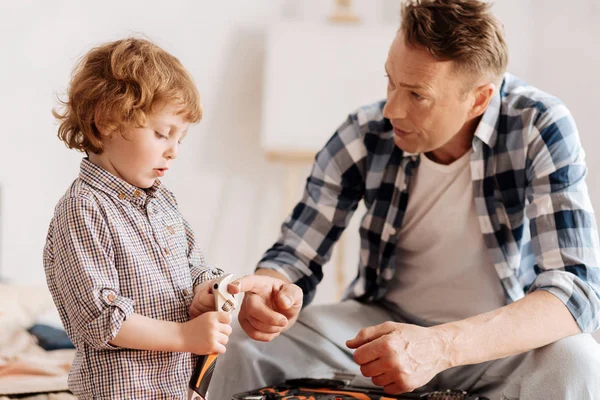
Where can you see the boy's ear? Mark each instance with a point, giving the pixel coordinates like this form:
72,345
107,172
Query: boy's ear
101,124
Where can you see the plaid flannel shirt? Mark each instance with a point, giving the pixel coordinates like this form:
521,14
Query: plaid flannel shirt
112,250
528,172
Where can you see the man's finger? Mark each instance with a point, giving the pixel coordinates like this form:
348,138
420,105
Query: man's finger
397,388
261,312
373,368
382,380
289,296
370,351
369,334
254,283
262,327
253,333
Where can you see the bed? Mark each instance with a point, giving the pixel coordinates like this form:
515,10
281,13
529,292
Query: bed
27,370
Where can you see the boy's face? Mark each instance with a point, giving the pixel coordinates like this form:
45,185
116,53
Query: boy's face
141,155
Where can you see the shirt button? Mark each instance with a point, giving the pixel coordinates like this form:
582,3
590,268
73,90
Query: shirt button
185,292
122,196
167,251
137,193
171,229
111,297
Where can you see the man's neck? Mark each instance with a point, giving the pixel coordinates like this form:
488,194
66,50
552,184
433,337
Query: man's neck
457,146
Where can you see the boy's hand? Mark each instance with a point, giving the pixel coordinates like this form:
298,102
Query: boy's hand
204,299
207,334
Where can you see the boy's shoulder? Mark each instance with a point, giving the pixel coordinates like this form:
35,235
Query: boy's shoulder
78,192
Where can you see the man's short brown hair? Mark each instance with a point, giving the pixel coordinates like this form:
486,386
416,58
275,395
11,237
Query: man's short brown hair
122,81
464,31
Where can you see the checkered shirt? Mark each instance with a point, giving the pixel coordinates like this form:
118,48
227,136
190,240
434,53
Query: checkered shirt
112,250
528,172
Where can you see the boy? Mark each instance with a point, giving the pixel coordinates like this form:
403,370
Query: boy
121,263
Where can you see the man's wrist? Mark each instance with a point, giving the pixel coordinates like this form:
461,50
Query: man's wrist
449,335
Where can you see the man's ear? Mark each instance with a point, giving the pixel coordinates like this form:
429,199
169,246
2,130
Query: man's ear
481,98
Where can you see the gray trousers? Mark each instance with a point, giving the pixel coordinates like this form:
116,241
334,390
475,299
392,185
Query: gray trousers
315,347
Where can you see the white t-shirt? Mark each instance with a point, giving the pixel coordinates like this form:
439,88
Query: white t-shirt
444,272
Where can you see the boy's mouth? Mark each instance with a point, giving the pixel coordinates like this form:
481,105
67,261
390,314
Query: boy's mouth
161,171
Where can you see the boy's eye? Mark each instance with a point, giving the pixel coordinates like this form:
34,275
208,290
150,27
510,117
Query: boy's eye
161,136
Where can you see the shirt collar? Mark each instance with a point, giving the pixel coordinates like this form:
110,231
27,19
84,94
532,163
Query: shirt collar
101,179
487,130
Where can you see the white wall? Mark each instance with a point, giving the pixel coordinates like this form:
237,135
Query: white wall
229,193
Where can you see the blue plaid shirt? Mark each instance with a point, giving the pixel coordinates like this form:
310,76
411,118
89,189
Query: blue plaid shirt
528,171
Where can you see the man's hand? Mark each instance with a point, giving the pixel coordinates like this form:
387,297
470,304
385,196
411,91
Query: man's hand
270,305
400,357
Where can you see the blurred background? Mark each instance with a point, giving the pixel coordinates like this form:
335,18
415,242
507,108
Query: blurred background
229,185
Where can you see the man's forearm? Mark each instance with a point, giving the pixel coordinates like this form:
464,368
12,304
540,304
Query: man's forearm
272,273
538,319
143,333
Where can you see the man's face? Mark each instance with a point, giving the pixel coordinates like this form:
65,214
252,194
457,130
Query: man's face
426,100
141,155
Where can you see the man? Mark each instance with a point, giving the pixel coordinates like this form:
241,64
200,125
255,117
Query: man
479,249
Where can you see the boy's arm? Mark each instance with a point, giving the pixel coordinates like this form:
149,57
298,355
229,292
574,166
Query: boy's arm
144,333
85,274
206,334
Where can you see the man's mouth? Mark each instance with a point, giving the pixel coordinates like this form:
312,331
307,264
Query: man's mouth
401,133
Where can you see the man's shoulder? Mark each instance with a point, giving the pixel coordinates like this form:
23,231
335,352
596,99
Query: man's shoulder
521,98
369,118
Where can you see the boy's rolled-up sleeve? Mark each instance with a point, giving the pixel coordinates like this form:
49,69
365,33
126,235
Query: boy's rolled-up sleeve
85,275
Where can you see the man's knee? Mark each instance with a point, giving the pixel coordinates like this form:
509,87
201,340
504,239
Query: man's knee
576,355
570,366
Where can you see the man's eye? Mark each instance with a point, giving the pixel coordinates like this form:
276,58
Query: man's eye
416,96
390,83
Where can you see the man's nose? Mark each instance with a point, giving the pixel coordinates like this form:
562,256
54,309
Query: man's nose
395,106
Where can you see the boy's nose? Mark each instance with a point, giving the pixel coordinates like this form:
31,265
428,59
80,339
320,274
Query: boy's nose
172,151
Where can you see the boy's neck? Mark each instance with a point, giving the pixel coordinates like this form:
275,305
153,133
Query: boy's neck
104,163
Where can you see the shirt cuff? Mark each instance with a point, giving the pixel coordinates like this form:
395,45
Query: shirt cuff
106,326
576,294
203,274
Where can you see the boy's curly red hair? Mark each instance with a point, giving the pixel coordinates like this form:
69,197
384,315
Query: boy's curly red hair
122,81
